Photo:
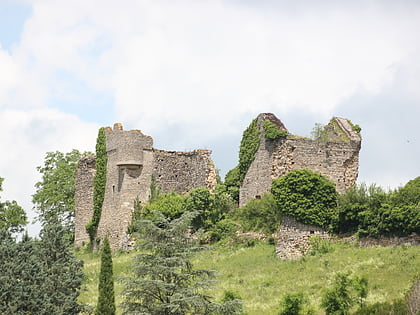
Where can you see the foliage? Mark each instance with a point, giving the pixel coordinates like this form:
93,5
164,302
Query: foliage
305,195
260,278
99,183
171,205
260,215
319,245
344,293
39,277
292,304
371,211
211,208
224,229
164,280
232,183
248,147
12,216
272,131
106,299
398,307
154,190
54,196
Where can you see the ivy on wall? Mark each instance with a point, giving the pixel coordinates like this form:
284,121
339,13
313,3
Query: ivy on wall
272,131
99,183
249,146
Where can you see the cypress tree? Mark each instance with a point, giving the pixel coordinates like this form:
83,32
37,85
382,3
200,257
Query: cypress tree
106,299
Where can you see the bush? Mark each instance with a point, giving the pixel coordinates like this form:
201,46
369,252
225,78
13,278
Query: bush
319,245
260,215
307,196
292,304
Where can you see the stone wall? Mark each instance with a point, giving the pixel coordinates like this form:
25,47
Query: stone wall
132,163
83,202
294,238
183,171
337,158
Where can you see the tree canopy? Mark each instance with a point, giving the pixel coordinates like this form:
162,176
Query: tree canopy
54,196
164,280
12,216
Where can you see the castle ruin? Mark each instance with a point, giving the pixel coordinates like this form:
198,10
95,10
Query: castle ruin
132,165
335,155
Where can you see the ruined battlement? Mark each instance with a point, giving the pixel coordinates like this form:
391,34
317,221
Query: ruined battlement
132,163
335,155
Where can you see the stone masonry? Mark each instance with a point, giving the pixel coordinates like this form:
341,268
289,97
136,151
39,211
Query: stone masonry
132,163
294,238
336,157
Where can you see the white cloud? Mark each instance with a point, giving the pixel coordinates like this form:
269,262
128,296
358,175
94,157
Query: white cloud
26,136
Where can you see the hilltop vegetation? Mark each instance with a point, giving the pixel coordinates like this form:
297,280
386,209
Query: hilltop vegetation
261,280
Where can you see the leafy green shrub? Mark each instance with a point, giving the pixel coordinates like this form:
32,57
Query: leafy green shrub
171,205
260,215
99,183
272,131
222,230
344,293
371,211
292,304
307,196
319,245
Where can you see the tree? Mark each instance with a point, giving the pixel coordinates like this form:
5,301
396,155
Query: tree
106,299
39,277
337,299
54,196
99,183
344,293
62,271
307,196
12,216
164,280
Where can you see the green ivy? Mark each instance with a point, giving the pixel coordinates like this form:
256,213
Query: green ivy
272,131
249,146
99,183
307,196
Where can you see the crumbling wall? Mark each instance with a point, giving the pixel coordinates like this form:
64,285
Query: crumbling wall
132,163
83,202
183,171
294,238
336,157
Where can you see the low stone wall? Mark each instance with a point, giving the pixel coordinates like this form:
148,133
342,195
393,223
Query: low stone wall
412,240
294,238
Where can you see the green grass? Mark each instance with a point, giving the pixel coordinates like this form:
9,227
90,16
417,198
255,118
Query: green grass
261,279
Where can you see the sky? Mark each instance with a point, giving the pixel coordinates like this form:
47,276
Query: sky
194,73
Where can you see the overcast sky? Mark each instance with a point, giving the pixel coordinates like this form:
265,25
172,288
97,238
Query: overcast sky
194,73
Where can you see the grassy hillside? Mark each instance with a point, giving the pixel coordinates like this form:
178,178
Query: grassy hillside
261,279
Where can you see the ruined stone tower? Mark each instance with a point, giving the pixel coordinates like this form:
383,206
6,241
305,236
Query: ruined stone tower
335,155
132,163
